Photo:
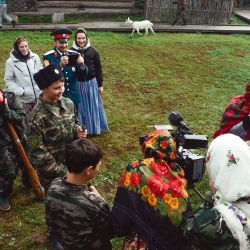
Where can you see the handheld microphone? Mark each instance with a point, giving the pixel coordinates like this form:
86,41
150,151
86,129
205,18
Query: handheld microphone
176,119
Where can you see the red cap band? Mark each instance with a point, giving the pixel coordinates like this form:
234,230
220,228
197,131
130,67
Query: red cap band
61,36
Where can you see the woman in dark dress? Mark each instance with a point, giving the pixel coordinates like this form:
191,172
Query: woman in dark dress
90,111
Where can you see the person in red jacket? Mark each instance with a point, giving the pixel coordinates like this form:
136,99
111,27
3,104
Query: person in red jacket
236,116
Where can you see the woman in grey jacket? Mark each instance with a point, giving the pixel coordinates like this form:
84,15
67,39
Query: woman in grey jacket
19,71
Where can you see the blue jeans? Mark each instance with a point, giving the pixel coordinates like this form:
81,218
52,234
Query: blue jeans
3,14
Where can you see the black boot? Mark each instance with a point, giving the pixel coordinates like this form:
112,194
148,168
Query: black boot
13,23
174,22
184,22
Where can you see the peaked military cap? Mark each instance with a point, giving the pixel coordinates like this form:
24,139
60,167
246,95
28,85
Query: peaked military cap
62,35
46,76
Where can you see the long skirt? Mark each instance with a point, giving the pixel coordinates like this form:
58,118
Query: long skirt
91,111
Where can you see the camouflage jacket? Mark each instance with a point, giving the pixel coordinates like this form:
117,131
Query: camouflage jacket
49,129
181,3
77,217
15,115
205,229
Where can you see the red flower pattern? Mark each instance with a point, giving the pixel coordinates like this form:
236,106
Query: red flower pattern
135,163
175,185
157,186
161,169
135,179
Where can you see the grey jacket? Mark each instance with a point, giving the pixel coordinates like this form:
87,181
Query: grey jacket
19,77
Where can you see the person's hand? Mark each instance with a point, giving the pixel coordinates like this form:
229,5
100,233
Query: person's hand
212,188
182,8
93,190
81,133
5,102
64,61
80,60
100,90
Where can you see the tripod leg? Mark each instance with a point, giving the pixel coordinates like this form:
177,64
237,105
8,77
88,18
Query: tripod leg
197,191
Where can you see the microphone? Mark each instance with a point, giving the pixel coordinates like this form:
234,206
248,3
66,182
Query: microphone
176,119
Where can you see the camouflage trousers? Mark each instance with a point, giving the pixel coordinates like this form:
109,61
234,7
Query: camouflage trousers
180,14
9,164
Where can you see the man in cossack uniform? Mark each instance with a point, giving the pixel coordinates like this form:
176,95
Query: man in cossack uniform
60,55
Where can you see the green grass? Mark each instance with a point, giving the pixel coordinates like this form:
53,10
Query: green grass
48,19
145,78
80,19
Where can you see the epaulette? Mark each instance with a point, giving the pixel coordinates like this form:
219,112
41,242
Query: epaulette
49,52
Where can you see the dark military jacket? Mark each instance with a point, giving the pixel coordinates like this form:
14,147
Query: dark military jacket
181,3
77,217
69,72
15,115
49,129
207,230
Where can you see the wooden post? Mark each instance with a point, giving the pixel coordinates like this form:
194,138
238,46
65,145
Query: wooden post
58,18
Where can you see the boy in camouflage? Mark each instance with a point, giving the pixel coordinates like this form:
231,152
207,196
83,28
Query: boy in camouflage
51,126
10,111
75,212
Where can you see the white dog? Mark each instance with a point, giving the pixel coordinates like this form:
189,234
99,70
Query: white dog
140,25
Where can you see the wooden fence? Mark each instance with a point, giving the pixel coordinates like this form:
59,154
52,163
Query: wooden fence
197,11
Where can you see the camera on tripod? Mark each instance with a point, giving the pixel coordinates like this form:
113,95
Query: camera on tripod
192,164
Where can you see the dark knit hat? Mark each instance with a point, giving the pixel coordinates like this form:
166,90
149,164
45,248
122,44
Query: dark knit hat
48,75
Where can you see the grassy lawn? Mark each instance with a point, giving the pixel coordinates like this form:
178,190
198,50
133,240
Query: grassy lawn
146,77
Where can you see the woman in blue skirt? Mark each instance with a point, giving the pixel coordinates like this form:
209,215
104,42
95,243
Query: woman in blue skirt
90,111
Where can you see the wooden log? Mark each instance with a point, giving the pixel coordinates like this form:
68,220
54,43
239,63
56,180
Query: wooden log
58,18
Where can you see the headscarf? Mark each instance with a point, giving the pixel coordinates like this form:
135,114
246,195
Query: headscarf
17,53
152,199
228,165
76,45
235,111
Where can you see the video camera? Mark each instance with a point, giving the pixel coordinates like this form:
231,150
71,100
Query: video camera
192,164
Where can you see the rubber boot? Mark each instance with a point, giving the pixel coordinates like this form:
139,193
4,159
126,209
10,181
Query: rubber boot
174,22
184,22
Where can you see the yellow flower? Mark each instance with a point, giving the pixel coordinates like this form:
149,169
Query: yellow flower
128,175
127,182
151,141
185,193
145,191
172,156
148,161
152,200
174,203
167,198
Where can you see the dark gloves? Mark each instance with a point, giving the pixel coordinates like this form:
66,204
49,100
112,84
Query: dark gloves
246,122
182,8
174,2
